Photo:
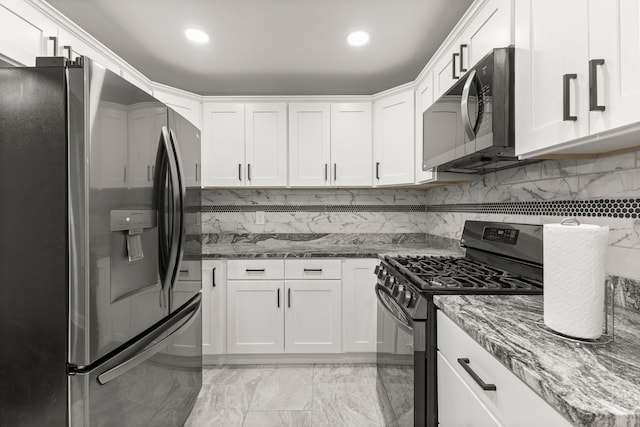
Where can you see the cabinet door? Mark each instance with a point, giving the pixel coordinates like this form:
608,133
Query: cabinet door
394,139
110,130
223,162
20,40
213,307
309,145
351,144
614,36
359,305
424,99
255,316
313,317
446,70
488,29
458,406
266,144
552,40
144,125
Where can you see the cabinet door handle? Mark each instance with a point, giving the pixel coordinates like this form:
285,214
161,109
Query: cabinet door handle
566,97
213,277
453,65
593,85
335,172
254,270
249,171
326,171
462,46
55,45
239,171
196,172
148,173
278,297
68,49
377,170
464,362
125,174
289,297
313,270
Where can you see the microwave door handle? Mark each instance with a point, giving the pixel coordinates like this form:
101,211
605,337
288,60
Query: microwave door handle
464,106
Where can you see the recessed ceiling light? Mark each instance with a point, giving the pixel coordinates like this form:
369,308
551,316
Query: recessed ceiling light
358,38
196,36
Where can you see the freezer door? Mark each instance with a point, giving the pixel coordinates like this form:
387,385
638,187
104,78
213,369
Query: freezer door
116,292
153,382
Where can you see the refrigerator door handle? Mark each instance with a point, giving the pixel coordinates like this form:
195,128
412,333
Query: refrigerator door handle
179,219
178,324
166,157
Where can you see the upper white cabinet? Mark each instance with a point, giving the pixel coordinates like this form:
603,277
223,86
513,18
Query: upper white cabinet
330,144
487,26
424,99
23,34
393,136
571,95
244,144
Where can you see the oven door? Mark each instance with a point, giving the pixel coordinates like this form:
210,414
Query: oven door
400,360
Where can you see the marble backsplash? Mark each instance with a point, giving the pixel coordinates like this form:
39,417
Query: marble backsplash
292,222
614,177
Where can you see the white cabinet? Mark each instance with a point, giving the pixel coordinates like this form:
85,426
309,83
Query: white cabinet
359,305
394,142
23,35
244,144
574,97
110,130
144,124
313,316
330,144
255,316
351,144
309,144
284,306
213,307
488,26
424,99
512,403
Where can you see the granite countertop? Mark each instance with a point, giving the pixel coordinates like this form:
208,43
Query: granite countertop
251,250
590,385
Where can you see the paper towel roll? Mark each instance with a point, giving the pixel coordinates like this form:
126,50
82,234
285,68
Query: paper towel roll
574,275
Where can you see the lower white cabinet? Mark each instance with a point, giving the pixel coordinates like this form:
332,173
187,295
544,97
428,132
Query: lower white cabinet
313,316
255,316
359,305
213,307
463,402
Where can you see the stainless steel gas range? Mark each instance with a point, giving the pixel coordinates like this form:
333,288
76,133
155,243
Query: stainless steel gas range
500,258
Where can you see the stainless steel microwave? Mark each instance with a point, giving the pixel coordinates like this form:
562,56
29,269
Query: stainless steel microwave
470,129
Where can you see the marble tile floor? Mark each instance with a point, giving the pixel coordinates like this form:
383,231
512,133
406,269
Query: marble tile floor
288,395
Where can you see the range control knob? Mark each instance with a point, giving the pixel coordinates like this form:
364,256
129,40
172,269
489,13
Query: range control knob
408,299
398,290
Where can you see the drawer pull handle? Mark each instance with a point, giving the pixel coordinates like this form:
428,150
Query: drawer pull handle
464,362
184,271
313,270
255,270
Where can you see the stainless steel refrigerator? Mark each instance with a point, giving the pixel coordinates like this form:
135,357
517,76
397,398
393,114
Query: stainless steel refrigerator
100,318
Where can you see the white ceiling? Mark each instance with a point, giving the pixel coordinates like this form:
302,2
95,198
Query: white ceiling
271,47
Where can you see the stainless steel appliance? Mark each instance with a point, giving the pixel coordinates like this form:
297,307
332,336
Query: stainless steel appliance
500,258
470,129
96,326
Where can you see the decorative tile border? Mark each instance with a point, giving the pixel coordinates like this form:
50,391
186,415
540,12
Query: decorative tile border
614,208
312,208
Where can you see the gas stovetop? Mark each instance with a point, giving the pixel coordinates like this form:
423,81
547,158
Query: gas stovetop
461,275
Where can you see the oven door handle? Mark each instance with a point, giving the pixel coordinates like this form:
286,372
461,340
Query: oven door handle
406,325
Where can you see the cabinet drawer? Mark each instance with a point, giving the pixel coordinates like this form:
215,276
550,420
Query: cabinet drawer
190,270
513,402
313,268
255,269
